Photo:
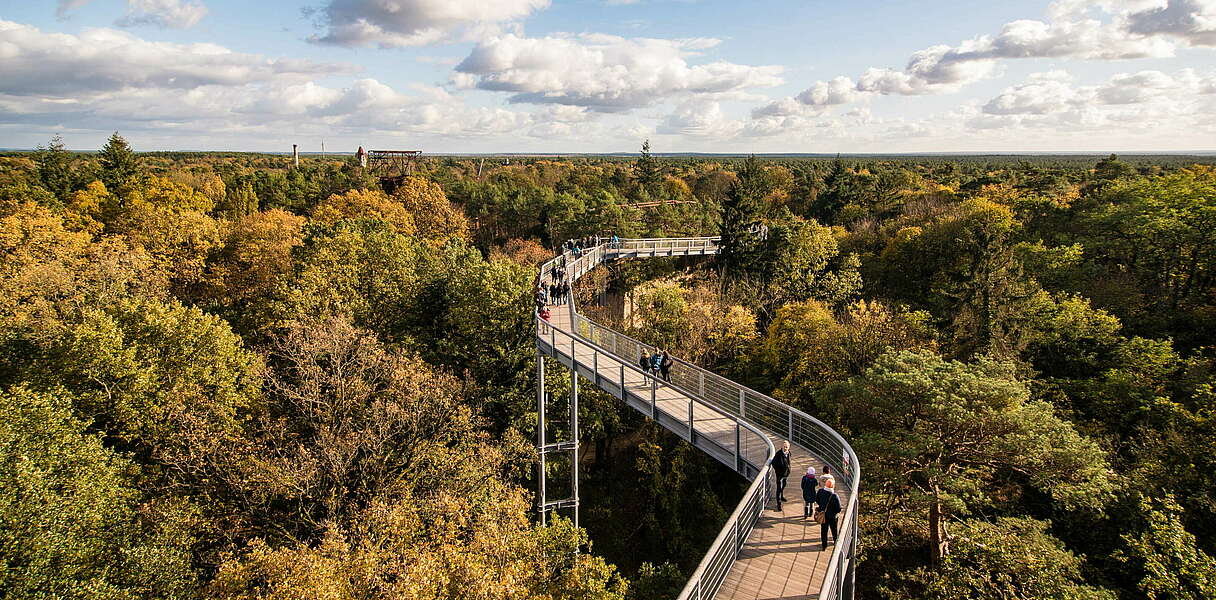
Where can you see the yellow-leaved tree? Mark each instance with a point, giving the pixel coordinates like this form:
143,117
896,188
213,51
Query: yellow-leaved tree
437,219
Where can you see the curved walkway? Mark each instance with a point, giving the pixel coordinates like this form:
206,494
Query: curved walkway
760,553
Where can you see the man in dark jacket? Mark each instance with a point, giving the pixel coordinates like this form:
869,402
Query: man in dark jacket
665,366
644,361
829,504
809,485
781,468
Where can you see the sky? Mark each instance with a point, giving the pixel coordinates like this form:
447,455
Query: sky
565,76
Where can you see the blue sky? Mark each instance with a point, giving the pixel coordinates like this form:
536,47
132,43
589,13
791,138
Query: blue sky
602,75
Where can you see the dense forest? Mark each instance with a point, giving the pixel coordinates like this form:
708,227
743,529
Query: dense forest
224,376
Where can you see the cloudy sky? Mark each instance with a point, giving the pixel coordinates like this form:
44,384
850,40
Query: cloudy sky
601,75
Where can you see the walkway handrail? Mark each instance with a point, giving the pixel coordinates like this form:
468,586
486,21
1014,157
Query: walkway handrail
724,396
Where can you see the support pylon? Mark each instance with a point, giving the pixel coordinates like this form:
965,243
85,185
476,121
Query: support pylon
543,505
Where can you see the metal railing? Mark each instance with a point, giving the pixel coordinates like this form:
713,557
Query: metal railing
719,399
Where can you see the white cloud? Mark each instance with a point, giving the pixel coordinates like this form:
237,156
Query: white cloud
1132,29
1127,103
399,23
699,118
33,62
108,79
605,73
1193,21
1043,93
163,13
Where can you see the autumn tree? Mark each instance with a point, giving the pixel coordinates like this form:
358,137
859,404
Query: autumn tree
365,204
808,346
437,220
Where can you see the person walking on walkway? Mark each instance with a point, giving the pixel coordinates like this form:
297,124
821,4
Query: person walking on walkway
656,361
781,468
565,293
809,487
665,366
644,361
829,504
826,477
545,314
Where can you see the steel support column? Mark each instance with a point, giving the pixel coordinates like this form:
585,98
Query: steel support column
540,435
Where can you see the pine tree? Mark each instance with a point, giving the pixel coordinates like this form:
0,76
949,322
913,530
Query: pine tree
120,166
646,169
836,193
55,168
741,218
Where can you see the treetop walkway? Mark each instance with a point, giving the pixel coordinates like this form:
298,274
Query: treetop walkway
759,553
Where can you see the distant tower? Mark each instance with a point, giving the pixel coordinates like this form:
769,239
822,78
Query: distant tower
362,156
295,155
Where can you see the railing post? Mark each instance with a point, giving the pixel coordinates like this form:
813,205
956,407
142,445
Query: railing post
691,429
701,383
624,397
654,403
742,403
737,436
595,367
790,415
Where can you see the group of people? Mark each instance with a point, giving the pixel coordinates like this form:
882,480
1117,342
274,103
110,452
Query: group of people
578,246
658,364
818,493
556,292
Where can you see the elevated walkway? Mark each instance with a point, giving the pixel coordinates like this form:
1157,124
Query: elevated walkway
759,553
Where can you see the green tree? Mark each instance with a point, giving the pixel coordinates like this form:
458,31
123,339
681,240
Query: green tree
241,201
1161,231
1111,168
120,167
936,433
740,227
836,191
1172,567
1010,559
163,381
71,522
56,168
646,170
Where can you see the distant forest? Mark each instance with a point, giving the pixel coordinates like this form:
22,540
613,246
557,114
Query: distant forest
225,376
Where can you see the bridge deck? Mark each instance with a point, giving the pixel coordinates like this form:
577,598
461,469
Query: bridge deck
783,558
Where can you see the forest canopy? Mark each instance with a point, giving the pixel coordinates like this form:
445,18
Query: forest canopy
224,376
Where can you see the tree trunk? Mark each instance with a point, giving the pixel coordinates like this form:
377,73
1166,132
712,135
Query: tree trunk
939,546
